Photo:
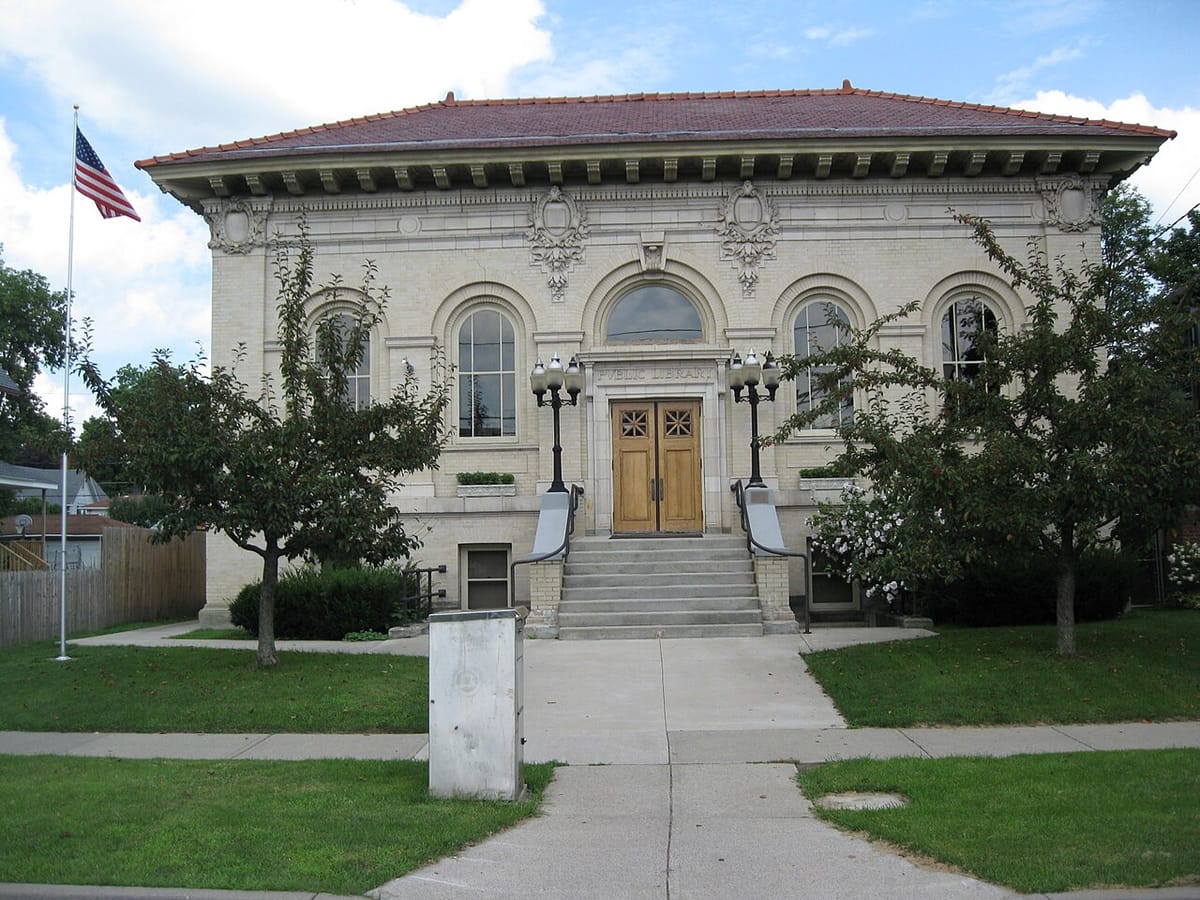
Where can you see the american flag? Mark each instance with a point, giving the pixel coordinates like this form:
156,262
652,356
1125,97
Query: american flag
94,182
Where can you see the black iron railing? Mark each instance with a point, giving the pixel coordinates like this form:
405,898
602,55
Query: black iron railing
752,544
564,548
417,593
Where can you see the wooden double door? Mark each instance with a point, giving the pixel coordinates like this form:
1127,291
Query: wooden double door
657,477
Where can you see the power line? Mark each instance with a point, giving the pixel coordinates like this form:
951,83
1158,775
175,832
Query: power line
1176,197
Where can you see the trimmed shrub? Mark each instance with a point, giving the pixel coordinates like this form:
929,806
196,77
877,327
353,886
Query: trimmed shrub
326,604
1021,591
486,478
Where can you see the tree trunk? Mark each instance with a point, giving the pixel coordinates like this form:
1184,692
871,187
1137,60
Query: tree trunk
266,608
1065,583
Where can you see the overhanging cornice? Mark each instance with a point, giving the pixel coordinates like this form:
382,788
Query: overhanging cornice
312,172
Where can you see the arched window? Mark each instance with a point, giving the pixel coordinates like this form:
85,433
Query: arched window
358,382
820,325
962,325
654,313
487,395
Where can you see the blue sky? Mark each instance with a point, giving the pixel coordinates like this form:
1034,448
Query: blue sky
153,77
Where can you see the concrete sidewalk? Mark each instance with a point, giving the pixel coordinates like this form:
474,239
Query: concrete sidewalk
675,785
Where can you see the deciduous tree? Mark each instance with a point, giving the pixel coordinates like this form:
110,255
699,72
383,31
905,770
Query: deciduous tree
284,471
31,337
1049,447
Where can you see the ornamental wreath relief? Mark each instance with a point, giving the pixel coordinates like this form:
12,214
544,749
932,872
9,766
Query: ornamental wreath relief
1072,204
749,231
237,226
557,229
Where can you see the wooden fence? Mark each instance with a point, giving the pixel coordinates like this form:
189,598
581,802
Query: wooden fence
137,581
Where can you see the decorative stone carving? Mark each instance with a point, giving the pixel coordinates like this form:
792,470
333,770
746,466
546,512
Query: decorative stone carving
749,231
557,229
237,226
652,244
1072,203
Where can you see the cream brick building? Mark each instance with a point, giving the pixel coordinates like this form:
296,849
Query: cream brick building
648,236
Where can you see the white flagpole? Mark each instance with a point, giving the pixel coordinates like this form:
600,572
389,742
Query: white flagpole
62,558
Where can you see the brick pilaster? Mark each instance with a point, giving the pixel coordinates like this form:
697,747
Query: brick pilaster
771,579
545,594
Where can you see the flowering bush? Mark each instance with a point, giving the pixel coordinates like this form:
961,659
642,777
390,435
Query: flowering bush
888,539
1183,571
859,537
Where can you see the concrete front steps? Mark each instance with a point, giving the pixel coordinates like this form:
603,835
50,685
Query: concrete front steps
659,587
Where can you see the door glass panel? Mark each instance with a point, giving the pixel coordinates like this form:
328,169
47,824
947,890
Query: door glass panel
487,595
487,564
678,423
633,423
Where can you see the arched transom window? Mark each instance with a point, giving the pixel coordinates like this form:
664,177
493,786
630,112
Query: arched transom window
487,395
820,325
654,313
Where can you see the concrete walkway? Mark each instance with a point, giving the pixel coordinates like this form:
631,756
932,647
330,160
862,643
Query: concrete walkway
675,785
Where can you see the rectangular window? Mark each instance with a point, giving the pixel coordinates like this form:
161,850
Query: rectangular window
485,576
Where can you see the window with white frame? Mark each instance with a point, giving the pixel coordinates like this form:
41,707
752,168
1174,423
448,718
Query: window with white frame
963,325
358,382
485,576
487,386
820,325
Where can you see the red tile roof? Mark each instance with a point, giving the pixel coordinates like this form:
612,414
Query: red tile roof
797,115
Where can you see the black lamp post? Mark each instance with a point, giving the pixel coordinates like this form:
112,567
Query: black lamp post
553,378
746,377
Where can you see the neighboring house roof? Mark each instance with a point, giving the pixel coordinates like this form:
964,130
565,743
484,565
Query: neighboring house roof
7,385
51,526
29,481
794,130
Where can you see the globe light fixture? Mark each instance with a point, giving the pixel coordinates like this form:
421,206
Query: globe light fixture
745,376
552,379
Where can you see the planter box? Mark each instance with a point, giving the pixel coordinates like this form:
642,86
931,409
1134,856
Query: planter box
487,490
825,490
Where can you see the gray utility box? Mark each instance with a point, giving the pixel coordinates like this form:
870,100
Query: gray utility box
476,704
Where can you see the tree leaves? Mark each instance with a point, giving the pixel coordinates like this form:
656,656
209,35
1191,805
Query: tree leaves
310,480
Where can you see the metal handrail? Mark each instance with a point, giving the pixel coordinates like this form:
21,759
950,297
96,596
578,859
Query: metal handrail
564,548
418,607
752,542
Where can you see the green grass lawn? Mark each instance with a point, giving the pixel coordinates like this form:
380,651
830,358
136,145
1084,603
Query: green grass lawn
142,689
1037,824
1144,666
336,826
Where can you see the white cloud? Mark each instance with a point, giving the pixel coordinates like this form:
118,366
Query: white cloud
229,69
1012,84
143,285
1168,174
83,405
1048,15
836,36
170,76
